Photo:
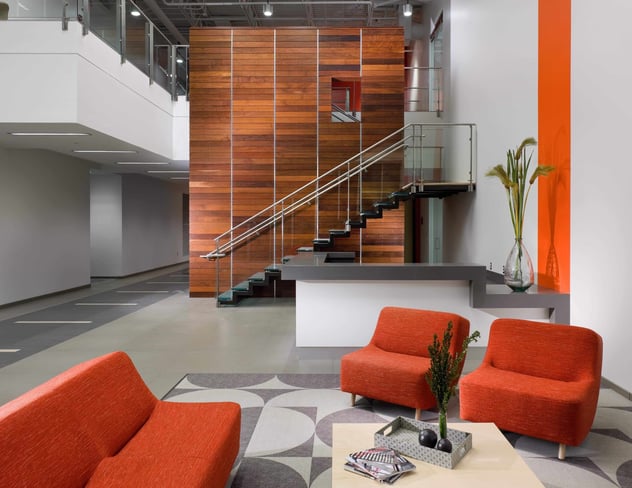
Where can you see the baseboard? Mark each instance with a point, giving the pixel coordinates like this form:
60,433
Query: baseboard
613,386
46,295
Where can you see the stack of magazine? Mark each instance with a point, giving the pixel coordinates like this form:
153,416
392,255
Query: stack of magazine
379,463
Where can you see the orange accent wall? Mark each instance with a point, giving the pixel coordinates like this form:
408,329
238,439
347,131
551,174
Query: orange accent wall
554,148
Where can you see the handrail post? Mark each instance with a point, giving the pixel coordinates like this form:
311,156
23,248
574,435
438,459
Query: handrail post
217,283
149,50
172,72
85,17
120,18
64,17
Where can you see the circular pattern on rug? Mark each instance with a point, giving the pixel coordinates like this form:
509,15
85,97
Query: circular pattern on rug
279,430
264,473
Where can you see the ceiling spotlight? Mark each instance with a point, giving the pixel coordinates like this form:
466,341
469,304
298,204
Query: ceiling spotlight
408,10
267,10
135,13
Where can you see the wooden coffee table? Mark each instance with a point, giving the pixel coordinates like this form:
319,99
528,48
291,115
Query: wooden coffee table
492,461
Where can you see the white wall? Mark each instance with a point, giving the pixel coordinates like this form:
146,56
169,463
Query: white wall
136,224
152,223
44,224
493,50
106,225
601,172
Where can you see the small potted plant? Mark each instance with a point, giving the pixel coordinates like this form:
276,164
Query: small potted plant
442,377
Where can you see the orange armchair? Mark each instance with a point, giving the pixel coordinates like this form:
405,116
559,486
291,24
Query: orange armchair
393,366
536,379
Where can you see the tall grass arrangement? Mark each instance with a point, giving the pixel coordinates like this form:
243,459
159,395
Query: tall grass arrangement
513,176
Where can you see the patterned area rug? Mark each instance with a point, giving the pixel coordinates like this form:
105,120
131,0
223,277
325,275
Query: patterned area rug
286,431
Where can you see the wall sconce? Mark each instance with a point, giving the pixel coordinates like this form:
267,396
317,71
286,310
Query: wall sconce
267,10
407,10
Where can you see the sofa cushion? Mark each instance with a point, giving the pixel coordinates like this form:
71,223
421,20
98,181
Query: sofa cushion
387,376
109,398
41,444
527,404
208,431
152,472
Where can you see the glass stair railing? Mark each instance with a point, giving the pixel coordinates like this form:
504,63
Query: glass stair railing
418,160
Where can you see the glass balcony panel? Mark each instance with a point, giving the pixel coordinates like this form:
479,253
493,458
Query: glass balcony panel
182,70
136,28
162,57
104,22
41,9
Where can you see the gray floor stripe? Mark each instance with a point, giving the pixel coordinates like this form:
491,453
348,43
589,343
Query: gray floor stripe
44,328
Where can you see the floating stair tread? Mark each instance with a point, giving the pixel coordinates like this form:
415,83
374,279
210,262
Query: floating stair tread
273,268
386,204
339,232
356,224
227,297
258,277
241,287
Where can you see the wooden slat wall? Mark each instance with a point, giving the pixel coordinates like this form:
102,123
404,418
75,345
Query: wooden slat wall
383,113
253,143
296,126
261,128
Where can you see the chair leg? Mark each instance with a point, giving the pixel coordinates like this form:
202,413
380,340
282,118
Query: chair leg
418,414
353,398
561,453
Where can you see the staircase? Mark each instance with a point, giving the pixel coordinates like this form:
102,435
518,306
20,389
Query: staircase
408,141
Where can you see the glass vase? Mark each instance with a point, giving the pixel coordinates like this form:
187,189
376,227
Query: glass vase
518,268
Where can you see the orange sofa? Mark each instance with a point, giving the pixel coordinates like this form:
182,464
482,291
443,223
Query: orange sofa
537,379
393,366
97,424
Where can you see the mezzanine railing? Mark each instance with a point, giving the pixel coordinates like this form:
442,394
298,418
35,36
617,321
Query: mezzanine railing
126,29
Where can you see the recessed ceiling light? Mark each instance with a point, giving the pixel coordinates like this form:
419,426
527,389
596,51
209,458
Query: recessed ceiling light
142,162
135,13
167,171
111,151
49,133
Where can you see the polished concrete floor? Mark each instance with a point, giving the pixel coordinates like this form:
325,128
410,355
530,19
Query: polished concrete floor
174,336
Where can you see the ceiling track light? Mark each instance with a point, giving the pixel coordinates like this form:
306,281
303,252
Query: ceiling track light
407,10
267,9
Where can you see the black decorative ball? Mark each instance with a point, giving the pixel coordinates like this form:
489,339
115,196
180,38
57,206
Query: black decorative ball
428,438
444,445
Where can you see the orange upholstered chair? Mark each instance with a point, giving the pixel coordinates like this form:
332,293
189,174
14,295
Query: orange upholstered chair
536,379
393,366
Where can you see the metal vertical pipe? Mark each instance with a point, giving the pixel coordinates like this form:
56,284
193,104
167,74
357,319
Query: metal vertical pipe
149,50
120,22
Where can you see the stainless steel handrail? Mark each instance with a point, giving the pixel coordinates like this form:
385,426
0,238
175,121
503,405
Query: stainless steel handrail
222,250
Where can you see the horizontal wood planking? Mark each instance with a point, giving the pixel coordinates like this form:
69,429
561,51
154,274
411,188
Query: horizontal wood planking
269,122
